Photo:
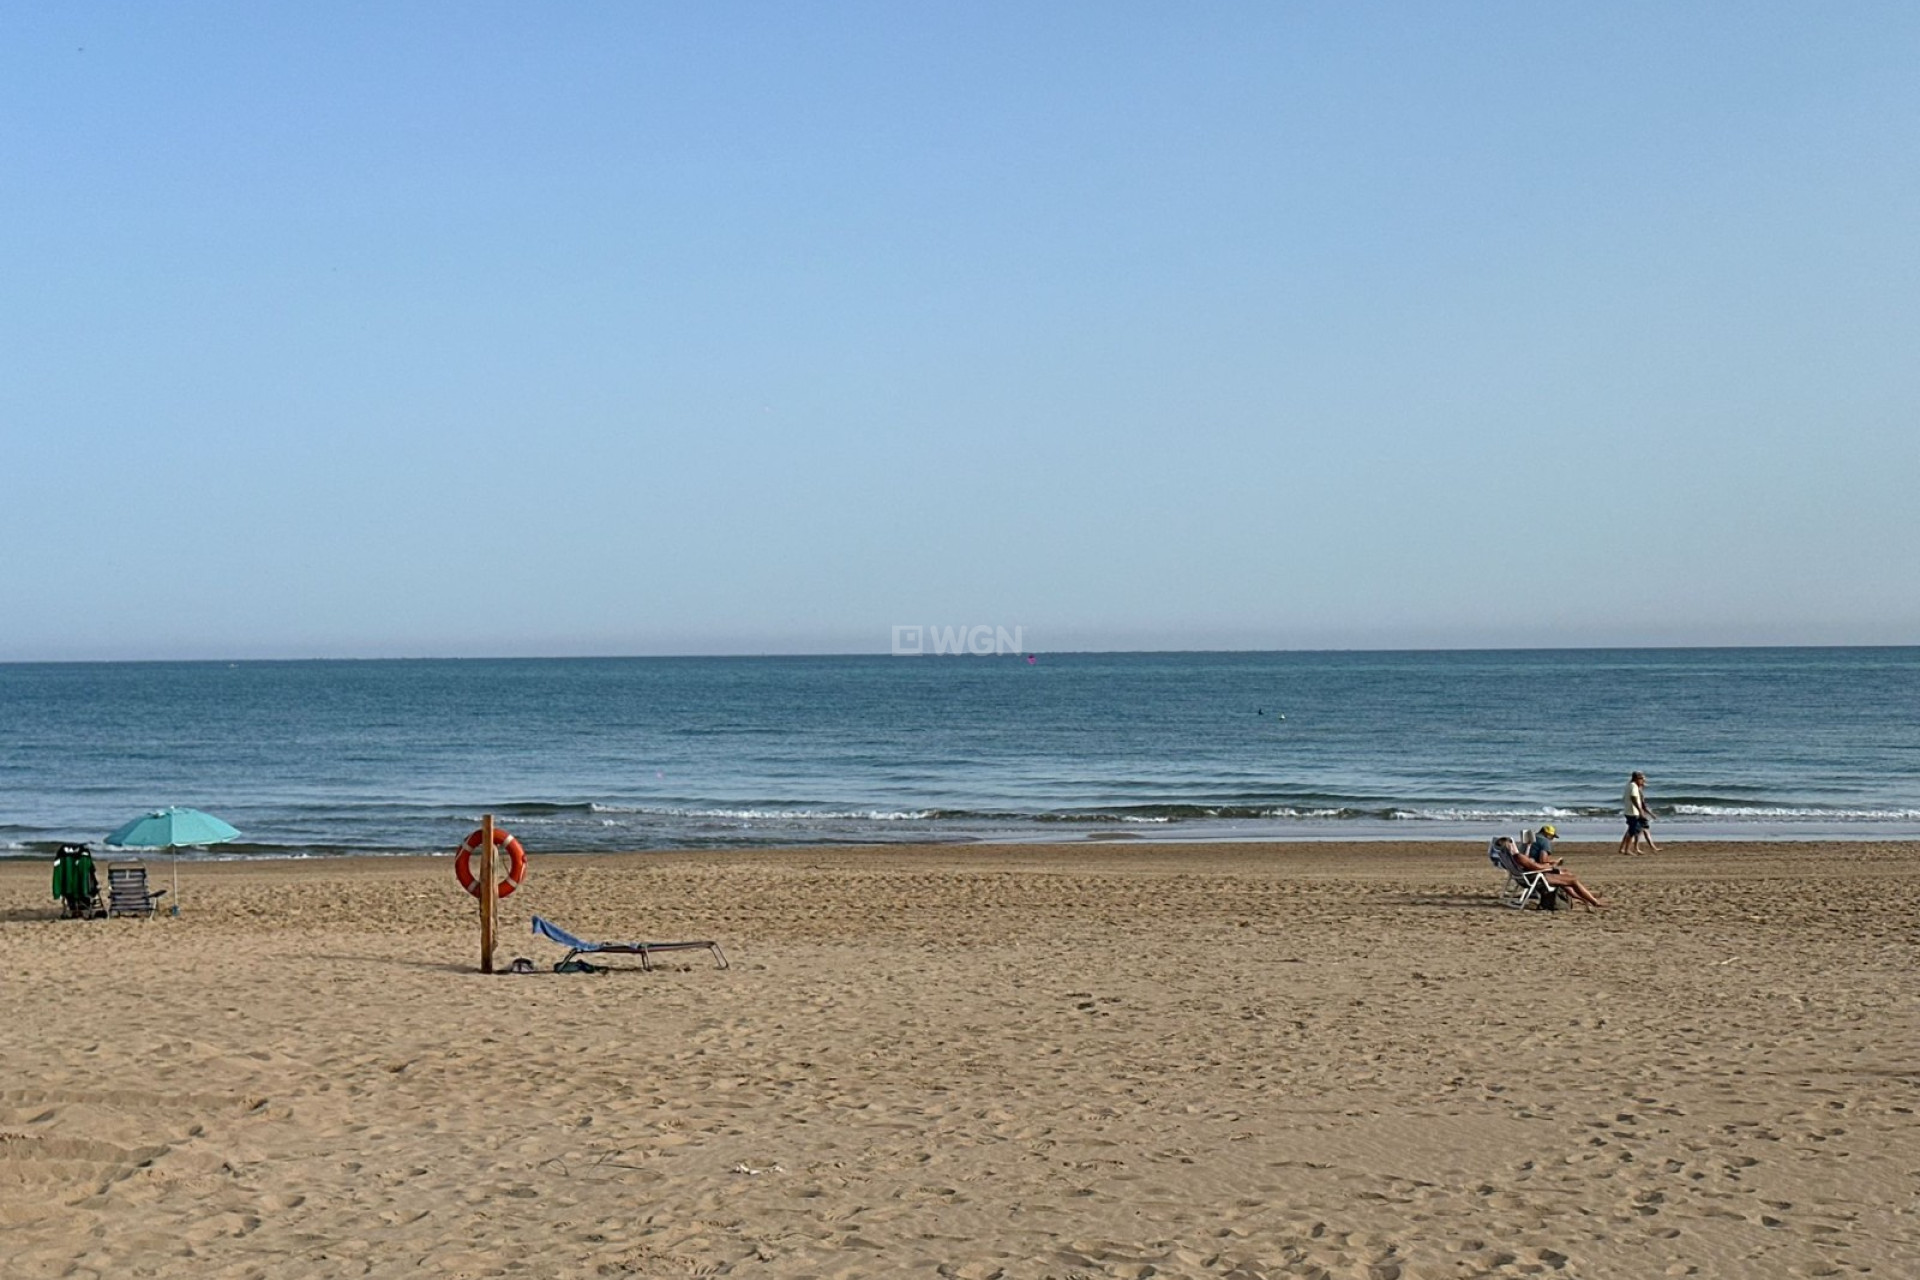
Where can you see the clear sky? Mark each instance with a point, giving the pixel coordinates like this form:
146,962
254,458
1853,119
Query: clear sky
458,328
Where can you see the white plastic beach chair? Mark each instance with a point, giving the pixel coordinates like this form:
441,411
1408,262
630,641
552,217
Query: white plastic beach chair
1523,888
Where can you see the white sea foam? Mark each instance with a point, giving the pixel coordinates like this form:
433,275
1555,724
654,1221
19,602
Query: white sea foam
802,815
1547,812
1829,815
1287,811
766,815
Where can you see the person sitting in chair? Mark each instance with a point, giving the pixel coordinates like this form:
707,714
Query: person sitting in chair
1555,871
1540,849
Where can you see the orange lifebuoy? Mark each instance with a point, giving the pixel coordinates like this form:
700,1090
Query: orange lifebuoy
516,862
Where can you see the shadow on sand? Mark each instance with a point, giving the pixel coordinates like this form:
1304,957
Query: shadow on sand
1451,901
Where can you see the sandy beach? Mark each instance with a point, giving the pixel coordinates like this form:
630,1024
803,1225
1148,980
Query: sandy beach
1067,1061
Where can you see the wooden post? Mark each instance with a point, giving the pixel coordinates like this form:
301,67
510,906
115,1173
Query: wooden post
486,893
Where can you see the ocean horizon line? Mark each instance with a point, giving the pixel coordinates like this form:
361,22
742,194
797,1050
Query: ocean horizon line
758,655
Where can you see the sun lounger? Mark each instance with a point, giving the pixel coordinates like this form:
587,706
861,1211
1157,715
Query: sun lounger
645,950
1523,888
127,893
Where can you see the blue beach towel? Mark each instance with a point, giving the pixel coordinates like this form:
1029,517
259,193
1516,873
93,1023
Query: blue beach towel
554,933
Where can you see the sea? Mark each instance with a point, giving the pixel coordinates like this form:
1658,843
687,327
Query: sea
322,758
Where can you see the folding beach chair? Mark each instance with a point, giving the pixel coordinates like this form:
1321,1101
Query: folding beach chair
577,947
1523,888
127,893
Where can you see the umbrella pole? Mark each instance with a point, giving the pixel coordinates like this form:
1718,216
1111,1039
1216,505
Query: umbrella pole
174,849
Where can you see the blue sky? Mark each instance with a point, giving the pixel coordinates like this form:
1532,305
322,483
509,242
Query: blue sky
445,329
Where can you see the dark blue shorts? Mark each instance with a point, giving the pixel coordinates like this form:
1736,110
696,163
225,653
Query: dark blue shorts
1636,825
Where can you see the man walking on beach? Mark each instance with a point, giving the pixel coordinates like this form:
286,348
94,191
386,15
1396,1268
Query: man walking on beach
1639,817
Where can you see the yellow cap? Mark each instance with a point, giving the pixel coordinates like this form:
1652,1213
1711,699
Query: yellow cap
1549,832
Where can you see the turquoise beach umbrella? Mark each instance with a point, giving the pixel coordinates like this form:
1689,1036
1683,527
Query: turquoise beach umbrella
169,829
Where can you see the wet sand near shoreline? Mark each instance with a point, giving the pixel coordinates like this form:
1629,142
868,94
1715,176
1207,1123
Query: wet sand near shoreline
1083,1060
